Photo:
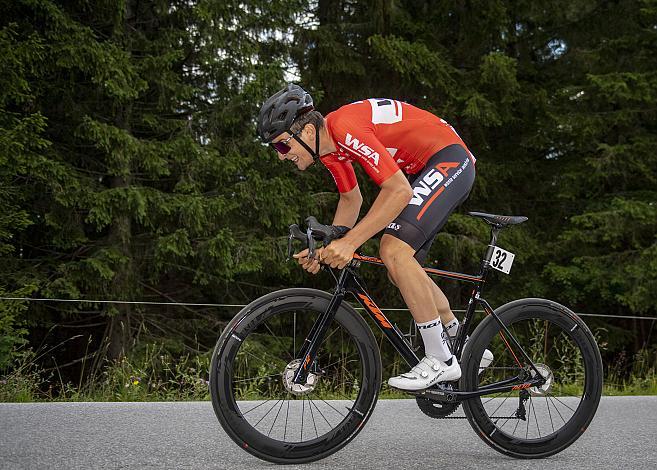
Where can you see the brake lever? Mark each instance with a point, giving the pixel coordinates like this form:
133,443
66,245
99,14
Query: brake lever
311,243
295,234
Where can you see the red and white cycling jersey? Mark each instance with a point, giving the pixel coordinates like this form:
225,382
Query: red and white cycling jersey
384,136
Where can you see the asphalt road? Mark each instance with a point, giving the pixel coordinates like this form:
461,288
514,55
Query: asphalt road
188,435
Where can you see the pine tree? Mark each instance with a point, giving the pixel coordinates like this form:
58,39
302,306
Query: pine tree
608,129
21,141
144,173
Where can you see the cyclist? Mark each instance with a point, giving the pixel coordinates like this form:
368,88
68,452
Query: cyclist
387,138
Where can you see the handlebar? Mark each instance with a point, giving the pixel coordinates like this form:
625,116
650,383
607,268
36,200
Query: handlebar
314,232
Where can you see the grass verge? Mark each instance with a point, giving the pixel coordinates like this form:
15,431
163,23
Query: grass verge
153,374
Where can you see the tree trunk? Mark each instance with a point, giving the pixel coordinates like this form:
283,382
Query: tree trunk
120,234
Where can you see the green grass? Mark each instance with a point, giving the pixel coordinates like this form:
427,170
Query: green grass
153,374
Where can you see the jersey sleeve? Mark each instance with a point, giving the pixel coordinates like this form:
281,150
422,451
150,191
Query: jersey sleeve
358,140
342,172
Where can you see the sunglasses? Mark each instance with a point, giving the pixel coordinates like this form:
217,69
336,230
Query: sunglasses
282,147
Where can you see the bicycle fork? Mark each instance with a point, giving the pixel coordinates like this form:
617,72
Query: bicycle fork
349,282
314,339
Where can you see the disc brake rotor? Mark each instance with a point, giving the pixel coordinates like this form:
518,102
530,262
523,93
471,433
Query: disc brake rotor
298,389
544,389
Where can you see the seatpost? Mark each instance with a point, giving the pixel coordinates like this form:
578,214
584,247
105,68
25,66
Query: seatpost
494,233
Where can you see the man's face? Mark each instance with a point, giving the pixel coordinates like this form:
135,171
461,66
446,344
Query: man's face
297,154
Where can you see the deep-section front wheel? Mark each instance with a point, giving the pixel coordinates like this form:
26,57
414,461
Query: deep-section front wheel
253,367
541,420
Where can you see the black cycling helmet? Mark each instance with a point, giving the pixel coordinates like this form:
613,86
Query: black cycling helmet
281,109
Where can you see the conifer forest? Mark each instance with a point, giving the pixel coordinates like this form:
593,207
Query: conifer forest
132,178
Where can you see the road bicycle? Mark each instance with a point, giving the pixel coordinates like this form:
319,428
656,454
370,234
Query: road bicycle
296,374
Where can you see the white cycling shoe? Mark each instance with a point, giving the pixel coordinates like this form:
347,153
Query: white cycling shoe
486,358
429,371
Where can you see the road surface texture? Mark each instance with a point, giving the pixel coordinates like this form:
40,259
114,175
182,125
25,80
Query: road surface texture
188,435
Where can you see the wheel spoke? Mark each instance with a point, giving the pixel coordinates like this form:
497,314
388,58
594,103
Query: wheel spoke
256,378
516,427
278,340
556,409
492,398
277,413
545,346
503,401
265,415
334,409
547,403
339,361
320,412
535,417
507,419
312,416
262,360
527,419
303,409
287,415
258,406
294,332
563,403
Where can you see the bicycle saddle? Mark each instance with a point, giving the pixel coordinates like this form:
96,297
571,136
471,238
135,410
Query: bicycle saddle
500,221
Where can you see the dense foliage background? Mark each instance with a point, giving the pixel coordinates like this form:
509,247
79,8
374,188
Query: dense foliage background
130,170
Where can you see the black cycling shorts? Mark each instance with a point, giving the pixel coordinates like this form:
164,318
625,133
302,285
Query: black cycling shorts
439,188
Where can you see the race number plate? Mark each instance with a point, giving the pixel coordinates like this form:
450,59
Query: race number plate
502,260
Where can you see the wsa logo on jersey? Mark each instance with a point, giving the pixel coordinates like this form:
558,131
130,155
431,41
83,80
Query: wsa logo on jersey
354,144
429,182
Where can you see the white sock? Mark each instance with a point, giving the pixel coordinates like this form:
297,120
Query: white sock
431,332
452,328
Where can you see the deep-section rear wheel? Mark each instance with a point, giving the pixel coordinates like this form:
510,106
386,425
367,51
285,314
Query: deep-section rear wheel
252,370
537,421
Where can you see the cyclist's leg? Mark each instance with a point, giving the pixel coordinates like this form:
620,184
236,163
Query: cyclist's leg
418,224
411,279
438,364
442,185
439,300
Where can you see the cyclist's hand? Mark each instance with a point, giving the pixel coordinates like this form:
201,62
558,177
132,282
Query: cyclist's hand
338,253
309,264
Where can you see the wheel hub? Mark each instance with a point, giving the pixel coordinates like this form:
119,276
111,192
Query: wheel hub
298,389
544,389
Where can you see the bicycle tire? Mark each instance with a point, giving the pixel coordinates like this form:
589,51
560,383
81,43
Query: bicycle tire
572,331
225,405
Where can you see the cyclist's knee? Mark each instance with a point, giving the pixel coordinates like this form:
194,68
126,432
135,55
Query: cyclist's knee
393,251
387,250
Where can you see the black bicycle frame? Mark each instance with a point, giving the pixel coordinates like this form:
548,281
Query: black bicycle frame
349,281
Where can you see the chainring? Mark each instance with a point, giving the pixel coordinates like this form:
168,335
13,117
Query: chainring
435,409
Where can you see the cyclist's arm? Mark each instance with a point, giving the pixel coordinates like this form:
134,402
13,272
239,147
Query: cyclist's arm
348,208
392,199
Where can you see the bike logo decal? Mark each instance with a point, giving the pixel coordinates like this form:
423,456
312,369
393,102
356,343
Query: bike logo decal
375,311
521,386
